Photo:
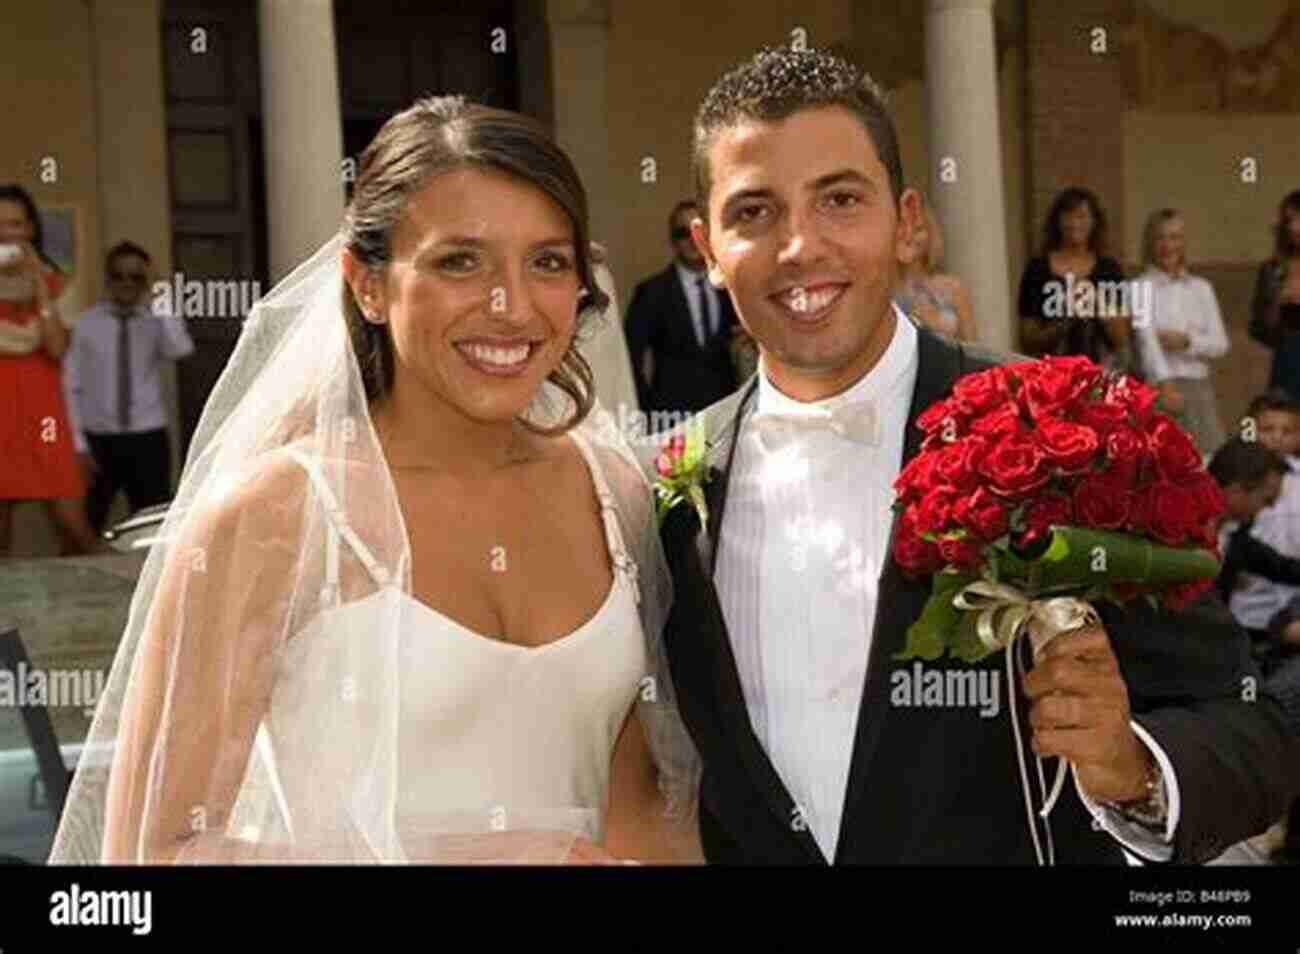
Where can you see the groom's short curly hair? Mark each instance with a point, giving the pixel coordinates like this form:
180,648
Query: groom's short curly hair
778,82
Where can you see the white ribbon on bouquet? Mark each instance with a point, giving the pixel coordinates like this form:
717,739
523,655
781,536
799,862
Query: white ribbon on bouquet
1005,615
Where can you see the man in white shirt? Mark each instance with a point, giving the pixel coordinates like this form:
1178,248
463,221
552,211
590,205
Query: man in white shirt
788,608
113,378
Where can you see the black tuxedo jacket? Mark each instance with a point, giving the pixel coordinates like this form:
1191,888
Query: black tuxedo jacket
942,785
686,376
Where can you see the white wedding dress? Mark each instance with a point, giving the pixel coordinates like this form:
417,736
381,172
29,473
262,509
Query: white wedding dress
492,737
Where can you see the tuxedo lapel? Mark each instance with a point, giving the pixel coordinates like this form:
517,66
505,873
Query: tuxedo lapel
723,451
693,582
898,599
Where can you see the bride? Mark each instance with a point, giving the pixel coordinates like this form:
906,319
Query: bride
407,603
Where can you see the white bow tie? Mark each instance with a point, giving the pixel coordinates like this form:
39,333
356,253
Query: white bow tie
855,421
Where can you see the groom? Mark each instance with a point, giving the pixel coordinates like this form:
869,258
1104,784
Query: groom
818,746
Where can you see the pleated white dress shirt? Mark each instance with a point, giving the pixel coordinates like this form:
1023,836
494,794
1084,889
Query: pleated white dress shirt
799,557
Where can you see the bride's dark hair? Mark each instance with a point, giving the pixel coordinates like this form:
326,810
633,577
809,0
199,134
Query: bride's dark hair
442,134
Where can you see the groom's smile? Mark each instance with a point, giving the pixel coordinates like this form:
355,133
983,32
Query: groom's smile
804,232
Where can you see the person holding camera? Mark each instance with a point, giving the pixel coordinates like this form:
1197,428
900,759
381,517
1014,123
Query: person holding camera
36,439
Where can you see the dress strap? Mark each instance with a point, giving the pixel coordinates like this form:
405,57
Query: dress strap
623,563
338,528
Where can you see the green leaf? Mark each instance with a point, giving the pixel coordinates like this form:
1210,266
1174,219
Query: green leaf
696,444
965,644
931,633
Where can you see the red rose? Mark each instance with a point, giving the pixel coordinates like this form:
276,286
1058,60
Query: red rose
934,512
1058,384
1126,451
1174,513
1022,369
944,418
1016,466
1137,399
1139,514
981,514
979,393
1070,447
1179,597
915,556
1101,416
957,465
1082,368
918,478
1005,421
1101,503
1210,503
1175,454
1041,514
963,554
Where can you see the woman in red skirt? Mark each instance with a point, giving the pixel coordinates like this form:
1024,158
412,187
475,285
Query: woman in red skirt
38,459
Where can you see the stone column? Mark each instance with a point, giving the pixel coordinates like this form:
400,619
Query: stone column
578,34
302,129
578,31
965,149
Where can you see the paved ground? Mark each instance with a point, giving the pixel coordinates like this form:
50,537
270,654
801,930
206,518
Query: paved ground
70,615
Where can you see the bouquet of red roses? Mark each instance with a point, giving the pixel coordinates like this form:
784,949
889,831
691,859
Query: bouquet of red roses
1041,486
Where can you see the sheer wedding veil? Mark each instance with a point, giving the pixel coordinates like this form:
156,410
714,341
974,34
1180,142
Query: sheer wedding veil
287,516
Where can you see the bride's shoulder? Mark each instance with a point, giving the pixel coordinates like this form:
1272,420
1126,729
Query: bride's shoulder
590,461
268,489
272,489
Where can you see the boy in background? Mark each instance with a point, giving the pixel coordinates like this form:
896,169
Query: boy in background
1274,422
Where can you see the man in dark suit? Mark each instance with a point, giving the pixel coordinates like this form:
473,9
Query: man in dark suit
685,325
818,744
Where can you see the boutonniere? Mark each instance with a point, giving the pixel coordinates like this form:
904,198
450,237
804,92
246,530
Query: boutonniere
682,471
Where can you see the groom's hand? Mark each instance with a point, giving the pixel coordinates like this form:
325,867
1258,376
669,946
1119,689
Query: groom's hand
1079,710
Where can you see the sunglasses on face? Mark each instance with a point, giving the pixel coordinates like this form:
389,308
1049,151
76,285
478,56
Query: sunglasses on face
135,278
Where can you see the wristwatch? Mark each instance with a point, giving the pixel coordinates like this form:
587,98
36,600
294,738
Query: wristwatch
1152,811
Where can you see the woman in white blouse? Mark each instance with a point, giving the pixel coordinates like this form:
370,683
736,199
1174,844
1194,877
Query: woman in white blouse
1184,332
